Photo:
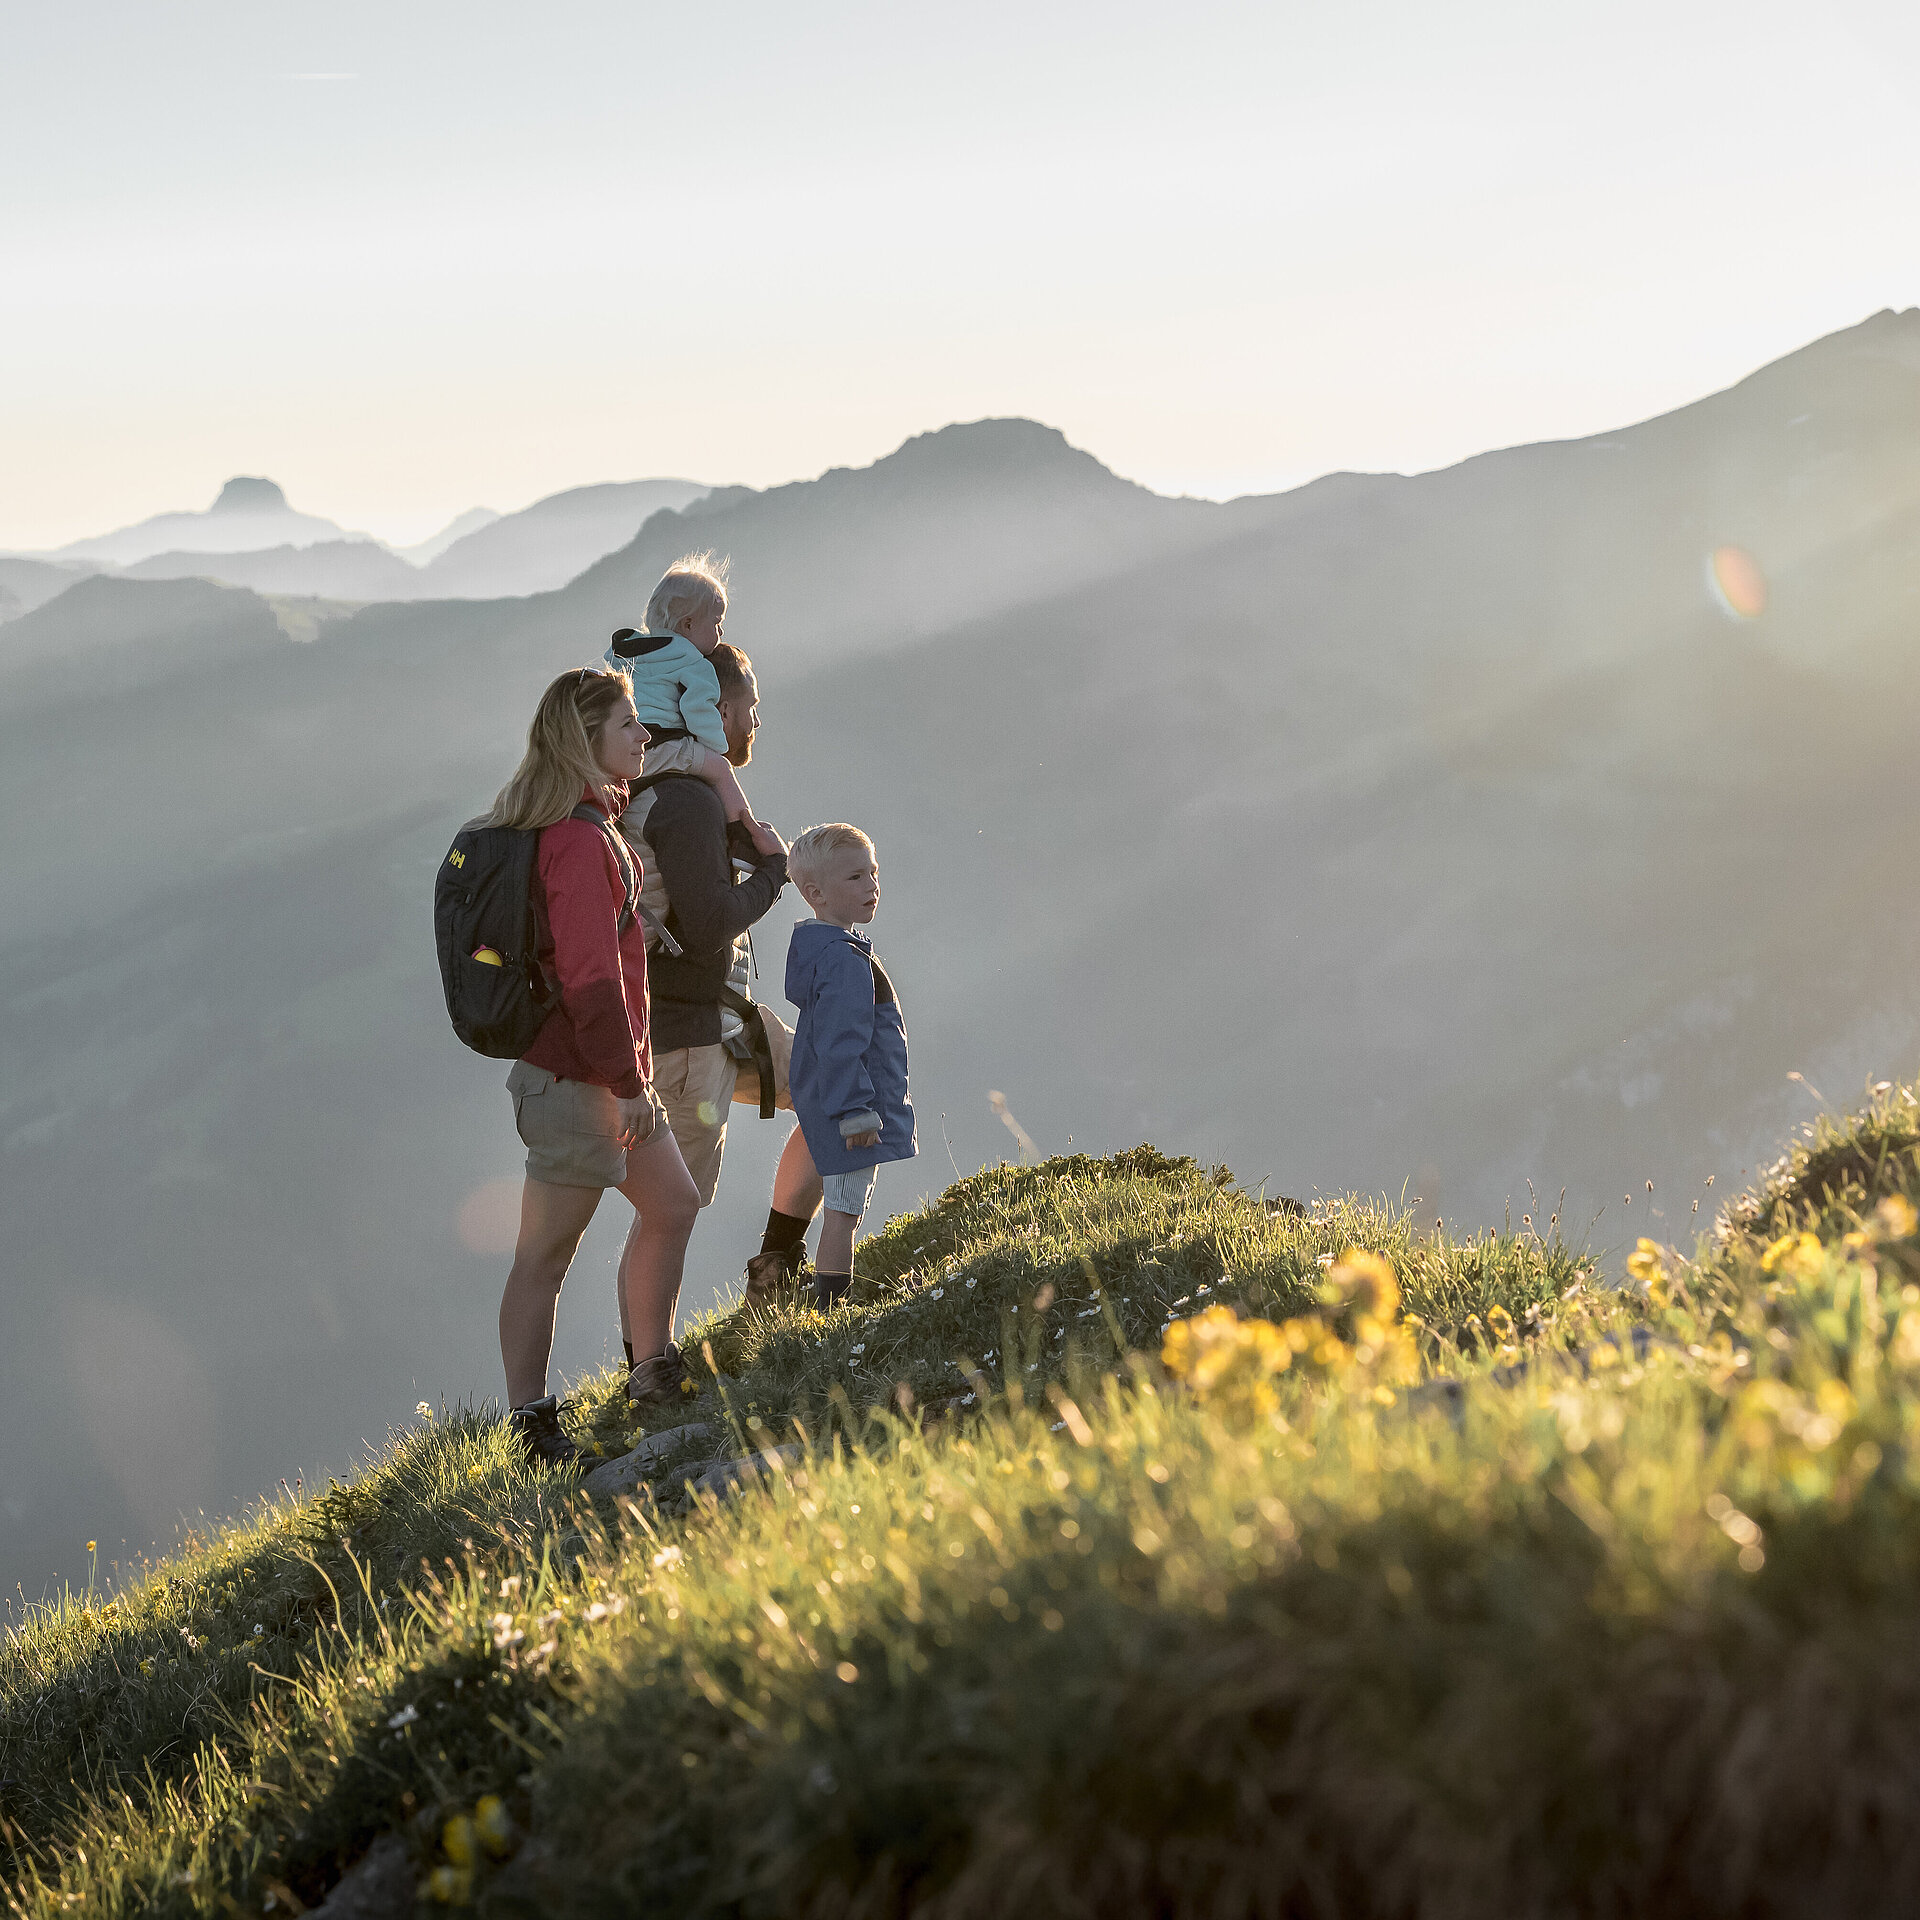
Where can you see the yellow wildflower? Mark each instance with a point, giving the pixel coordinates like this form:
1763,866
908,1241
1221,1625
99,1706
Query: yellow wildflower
1798,1255
1220,1356
491,1823
1897,1215
456,1840
1645,1264
1368,1282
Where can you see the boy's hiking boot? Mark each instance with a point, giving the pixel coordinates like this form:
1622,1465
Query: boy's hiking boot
656,1383
537,1427
772,1277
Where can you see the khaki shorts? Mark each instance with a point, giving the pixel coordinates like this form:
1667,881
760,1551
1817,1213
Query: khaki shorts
698,1084
572,1128
673,756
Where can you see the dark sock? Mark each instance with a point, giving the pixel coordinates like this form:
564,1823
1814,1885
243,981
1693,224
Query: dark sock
829,1287
628,1344
786,1234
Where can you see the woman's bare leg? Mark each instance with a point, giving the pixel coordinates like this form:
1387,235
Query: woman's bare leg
552,1219
666,1204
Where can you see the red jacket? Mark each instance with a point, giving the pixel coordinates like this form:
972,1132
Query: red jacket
598,1032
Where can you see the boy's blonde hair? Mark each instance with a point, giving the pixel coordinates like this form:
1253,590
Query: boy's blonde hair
693,584
809,854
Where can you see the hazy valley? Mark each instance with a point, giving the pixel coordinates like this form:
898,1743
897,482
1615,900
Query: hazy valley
1448,832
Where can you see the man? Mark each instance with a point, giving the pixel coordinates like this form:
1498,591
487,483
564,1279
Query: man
698,994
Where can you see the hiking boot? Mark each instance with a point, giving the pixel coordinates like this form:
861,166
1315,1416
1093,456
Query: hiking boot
537,1427
656,1383
772,1277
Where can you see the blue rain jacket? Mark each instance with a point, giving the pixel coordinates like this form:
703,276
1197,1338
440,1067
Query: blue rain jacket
849,1068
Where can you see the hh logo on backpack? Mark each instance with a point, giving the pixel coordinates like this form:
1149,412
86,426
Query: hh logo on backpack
487,934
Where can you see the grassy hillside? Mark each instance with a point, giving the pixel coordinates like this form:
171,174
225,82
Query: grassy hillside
1394,828
1129,1545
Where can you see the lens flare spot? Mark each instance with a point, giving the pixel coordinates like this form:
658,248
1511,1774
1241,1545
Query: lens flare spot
489,1217
1737,582
707,1113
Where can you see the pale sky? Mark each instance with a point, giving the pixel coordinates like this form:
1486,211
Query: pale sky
408,259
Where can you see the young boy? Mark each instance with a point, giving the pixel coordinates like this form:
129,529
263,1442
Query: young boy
675,689
849,1067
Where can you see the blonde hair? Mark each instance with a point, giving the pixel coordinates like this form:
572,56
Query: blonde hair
693,584
810,852
560,759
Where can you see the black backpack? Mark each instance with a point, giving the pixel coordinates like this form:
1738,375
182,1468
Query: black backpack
483,903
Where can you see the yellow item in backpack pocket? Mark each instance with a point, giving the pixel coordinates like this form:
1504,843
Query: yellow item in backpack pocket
487,957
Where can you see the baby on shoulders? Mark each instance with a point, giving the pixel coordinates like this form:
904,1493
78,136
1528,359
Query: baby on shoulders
676,692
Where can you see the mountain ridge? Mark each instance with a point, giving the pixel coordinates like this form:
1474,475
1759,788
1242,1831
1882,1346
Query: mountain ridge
1425,829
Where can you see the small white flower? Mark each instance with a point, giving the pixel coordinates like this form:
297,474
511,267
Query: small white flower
424,1411
668,1557
972,1283
404,1718
861,1348
258,1629
937,1293
505,1633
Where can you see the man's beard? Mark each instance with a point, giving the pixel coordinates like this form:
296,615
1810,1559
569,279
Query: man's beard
740,756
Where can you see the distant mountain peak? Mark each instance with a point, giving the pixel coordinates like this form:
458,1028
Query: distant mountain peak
1010,441
248,494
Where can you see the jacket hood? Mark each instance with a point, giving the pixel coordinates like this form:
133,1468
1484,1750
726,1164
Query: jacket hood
812,939
631,645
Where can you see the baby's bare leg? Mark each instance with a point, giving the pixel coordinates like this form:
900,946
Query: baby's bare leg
717,771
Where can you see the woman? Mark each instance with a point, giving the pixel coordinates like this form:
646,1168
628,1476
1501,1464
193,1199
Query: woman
582,1094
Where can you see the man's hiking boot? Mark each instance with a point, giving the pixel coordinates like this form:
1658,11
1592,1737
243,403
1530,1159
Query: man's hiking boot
656,1383
537,1427
772,1277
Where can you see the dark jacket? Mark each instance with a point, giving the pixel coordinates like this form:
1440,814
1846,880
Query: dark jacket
687,830
849,1066
598,1032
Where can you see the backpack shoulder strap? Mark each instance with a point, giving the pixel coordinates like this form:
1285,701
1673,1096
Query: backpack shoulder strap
631,909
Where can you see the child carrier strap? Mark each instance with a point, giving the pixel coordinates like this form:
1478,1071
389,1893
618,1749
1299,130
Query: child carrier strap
754,1034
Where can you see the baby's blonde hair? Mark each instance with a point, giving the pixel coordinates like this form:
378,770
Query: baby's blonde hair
810,852
693,584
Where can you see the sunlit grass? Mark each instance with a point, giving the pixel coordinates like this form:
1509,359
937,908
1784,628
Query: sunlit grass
1026,1625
